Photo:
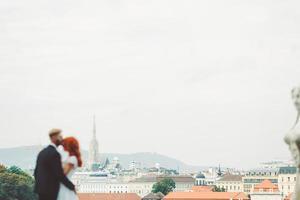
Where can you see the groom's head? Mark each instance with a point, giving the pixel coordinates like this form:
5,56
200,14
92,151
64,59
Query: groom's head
55,136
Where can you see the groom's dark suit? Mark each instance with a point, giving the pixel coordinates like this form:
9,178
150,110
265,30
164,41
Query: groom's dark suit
49,174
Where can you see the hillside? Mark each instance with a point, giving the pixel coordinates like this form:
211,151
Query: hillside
25,157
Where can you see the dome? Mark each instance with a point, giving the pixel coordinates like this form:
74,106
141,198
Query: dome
200,175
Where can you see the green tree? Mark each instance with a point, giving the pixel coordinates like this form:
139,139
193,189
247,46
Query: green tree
15,184
2,168
17,170
164,186
218,189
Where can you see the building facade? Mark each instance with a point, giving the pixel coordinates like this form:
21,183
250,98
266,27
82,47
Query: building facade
143,185
98,183
287,180
257,176
231,183
266,190
200,179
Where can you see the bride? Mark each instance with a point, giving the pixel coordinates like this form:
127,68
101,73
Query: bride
71,159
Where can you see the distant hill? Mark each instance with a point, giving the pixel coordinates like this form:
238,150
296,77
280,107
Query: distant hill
25,157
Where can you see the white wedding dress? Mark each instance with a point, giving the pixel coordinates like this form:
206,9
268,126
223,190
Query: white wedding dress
64,192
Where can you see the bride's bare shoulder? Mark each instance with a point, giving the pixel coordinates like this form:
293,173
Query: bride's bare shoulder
73,160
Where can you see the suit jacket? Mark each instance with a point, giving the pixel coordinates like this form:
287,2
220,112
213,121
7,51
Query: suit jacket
49,173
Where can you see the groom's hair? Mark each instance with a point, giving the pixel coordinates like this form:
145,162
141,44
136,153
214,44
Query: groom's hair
54,132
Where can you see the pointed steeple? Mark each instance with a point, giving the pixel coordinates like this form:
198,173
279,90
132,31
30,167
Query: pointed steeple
219,171
94,147
94,127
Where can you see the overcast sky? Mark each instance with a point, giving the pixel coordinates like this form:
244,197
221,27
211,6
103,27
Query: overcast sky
206,82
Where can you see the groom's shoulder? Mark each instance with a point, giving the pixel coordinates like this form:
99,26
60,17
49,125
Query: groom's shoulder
49,150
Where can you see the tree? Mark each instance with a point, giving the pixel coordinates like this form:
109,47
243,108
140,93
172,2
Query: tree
218,189
164,186
15,184
17,170
2,168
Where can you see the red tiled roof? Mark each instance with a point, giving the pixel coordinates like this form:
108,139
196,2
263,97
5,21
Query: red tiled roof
289,197
206,196
108,196
266,186
202,188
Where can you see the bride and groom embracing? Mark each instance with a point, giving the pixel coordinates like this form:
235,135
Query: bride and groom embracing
55,166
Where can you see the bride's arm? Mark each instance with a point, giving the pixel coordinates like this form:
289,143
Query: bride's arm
67,168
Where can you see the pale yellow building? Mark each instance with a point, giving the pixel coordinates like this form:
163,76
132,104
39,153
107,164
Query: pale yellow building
231,183
287,180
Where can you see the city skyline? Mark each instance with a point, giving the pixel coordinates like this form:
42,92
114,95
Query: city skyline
204,82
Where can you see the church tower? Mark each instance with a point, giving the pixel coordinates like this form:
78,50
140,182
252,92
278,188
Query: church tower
94,148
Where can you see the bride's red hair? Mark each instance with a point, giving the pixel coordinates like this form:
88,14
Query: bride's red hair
71,145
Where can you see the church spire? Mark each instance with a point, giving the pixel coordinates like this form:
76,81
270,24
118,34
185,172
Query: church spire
94,148
94,127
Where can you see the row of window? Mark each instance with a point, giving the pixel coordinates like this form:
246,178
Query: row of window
230,188
287,187
262,173
247,180
289,179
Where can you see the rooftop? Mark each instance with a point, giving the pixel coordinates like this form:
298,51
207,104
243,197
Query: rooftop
287,170
266,186
202,188
108,196
262,170
230,177
206,196
177,179
200,175
289,197
153,196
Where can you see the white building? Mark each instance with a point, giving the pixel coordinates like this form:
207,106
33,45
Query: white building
287,180
211,176
135,166
143,185
200,179
266,191
276,164
102,183
257,176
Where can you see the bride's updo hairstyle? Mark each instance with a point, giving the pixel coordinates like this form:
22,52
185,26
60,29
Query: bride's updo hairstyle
71,145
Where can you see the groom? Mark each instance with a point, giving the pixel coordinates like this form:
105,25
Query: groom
49,172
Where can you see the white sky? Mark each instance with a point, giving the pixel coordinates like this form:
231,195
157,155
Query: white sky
206,82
